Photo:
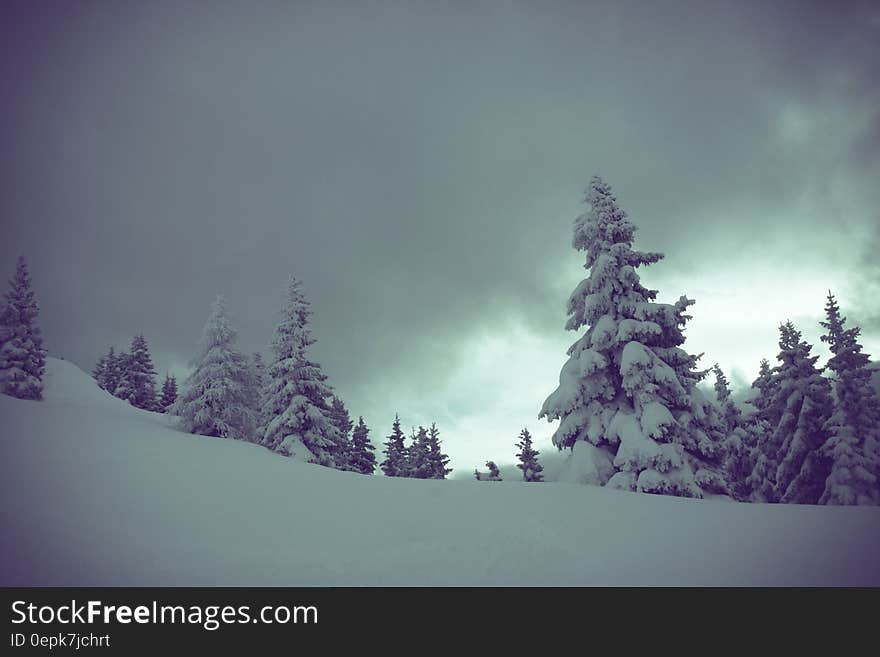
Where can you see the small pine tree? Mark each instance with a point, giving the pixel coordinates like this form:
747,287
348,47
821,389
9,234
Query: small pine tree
342,421
362,458
100,370
415,460
296,408
395,452
114,374
435,460
138,382
737,463
854,426
169,393
528,458
494,472
217,398
22,357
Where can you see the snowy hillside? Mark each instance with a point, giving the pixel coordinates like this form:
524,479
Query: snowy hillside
95,492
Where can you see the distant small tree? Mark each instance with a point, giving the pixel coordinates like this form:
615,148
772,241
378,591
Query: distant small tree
416,456
169,393
494,472
362,459
736,439
436,461
138,381
342,421
528,458
395,451
22,357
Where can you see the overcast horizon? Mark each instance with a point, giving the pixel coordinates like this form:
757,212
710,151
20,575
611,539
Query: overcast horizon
419,166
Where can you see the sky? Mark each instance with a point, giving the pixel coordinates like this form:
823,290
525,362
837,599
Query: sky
419,166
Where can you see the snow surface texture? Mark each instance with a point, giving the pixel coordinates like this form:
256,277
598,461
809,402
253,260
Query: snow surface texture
96,492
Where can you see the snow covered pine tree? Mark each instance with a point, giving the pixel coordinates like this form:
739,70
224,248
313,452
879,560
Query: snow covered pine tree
296,407
789,468
22,357
528,458
137,383
169,393
361,458
218,398
395,452
627,395
854,426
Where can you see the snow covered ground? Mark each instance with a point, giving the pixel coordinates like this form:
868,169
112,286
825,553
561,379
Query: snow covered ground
95,492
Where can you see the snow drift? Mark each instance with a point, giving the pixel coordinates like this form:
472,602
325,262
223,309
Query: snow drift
96,492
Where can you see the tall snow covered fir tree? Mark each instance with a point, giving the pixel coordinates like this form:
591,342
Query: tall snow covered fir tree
361,457
296,407
394,464
22,357
218,398
627,399
137,383
789,467
528,458
854,426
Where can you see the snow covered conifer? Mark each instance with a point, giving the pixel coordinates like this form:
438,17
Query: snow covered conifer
854,426
416,456
738,440
789,468
169,393
296,407
217,397
528,458
342,421
628,389
395,451
138,381
494,472
361,458
435,460
117,363
22,357
100,370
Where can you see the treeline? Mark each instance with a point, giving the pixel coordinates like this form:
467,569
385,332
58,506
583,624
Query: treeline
131,376
629,393
813,435
287,406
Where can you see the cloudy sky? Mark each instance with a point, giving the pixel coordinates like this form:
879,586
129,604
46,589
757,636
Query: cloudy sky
419,165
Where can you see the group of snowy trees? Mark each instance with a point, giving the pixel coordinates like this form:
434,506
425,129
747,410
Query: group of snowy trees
628,394
421,459
814,434
288,407
528,462
131,376
22,357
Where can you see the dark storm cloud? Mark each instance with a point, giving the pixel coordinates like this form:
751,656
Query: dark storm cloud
417,164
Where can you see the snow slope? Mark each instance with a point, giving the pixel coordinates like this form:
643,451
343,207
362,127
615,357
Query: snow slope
95,492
